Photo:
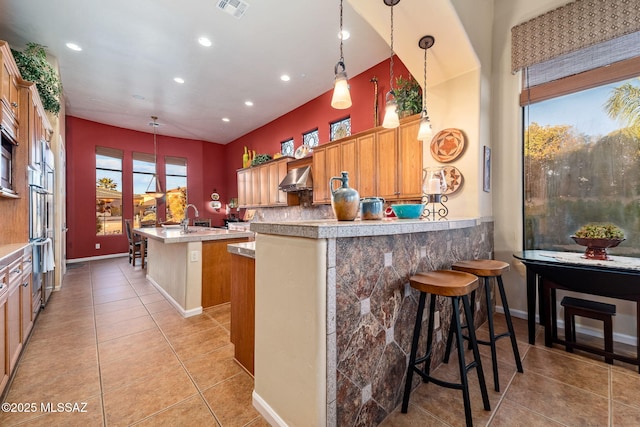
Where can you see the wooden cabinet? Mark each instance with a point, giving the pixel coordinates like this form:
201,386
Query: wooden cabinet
5,371
9,92
37,129
13,334
277,172
216,271
258,185
26,303
326,164
243,278
381,163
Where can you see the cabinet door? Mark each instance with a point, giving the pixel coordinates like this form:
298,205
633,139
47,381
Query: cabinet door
333,166
14,340
4,357
387,164
26,311
409,161
367,166
242,188
277,172
255,187
349,162
319,170
265,185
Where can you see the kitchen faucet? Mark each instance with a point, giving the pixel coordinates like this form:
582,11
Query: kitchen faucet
185,221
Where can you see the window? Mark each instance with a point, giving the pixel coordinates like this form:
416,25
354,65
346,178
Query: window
311,138
340,128
582,157
286,147
108,191
144,179
176,179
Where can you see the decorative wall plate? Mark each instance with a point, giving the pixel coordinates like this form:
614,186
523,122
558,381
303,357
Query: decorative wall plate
454,179
447,145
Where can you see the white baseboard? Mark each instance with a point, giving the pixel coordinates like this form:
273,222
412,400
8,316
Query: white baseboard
266,411
174,303
95,258
617,337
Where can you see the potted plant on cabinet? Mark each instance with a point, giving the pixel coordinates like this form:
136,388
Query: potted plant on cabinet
34,67
409,96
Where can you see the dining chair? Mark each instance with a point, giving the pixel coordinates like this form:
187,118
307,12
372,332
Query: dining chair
136,245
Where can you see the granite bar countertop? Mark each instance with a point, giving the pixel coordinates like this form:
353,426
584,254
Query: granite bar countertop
196,234
247,249
328,229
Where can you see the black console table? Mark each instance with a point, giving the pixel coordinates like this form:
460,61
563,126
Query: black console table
548,271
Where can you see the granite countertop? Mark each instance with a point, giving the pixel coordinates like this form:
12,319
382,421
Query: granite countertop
327,229
196,234
247,249
12,248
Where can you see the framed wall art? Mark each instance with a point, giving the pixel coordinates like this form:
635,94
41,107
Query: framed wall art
486,170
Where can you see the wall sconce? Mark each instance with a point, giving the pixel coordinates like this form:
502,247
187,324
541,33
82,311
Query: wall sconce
391,119
341,97
425,132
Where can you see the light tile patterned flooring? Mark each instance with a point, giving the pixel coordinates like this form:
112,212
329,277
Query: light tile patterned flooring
109,339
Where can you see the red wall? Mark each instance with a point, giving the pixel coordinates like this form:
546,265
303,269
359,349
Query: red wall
205,165
210,166
317,113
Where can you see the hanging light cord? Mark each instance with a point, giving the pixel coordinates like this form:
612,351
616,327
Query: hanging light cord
341,34
391,59
424,88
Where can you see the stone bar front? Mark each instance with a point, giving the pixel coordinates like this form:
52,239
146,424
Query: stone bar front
335,312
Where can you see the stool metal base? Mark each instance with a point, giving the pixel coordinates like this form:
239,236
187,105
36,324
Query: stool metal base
424,373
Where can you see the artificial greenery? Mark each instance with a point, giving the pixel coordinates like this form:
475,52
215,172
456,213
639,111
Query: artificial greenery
33,66
600,231
408,95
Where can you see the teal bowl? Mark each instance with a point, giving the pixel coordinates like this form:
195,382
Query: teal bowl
408,211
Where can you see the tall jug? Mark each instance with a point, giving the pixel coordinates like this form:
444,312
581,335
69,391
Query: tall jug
345,200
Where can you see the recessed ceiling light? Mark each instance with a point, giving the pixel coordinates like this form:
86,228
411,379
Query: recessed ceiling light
178,80
344,35
226,119
136,96
204,41
74,46
248,103
285,78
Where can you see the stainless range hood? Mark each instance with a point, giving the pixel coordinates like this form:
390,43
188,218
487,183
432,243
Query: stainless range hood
297,180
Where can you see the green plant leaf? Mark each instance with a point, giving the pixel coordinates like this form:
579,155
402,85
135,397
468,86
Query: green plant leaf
34,67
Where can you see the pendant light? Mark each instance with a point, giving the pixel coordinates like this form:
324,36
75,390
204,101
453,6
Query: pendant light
158,193
341,97
391,119
425,132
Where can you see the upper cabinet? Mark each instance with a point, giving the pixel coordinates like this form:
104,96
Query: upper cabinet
34,127
9,93
258,185
381,163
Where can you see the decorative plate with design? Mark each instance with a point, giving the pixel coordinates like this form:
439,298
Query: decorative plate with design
447,145
454,179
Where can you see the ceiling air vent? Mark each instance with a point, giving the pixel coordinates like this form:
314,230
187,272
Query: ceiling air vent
236,8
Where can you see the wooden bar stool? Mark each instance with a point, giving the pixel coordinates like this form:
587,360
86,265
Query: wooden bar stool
456,286
486,269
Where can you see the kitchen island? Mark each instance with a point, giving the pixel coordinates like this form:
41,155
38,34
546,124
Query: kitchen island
192,270
334,312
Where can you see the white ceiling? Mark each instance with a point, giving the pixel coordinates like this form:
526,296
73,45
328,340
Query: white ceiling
132,50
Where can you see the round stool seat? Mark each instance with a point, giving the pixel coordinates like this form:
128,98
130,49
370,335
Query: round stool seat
482,267
446,283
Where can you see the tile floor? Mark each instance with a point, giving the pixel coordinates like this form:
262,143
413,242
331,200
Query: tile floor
111,340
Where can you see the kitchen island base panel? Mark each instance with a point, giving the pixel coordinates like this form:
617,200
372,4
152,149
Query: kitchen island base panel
185,313
290,328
